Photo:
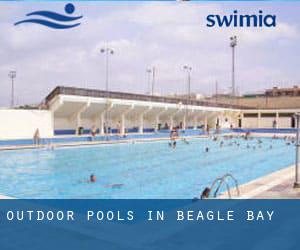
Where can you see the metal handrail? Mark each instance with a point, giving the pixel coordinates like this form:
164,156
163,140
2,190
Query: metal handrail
220,181
235,182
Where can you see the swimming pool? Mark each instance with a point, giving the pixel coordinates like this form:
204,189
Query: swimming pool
147,170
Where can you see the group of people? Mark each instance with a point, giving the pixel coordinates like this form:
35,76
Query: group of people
174,135
106,130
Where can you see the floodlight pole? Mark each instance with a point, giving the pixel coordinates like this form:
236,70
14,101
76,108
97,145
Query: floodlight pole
12,75
217,90
149,72
153,80
297,182
188,69
233,44
107,51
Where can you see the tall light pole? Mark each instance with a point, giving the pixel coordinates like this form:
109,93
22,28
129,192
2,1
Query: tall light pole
233,44
297,181
217,91
12,75
149,72
153,72
107,51
188,69
153,79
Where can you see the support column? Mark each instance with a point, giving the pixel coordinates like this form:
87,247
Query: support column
242,119
78,122
205,123
141,119
258,119
277,120
77,116
156,122
195,123
171,122
123,119
101,128
157,118
184,122
141,124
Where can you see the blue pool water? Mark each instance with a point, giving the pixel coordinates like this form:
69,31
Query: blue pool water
147,170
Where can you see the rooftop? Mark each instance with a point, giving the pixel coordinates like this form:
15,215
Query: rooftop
60,90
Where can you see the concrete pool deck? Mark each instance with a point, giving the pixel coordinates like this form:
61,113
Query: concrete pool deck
277,185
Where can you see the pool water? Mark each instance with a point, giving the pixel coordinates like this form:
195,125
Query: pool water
146,170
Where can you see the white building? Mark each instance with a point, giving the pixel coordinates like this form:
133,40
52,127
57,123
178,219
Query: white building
70,109
74,108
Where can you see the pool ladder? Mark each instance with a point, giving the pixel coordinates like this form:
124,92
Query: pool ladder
223,180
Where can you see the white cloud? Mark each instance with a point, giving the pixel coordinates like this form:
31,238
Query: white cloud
167,35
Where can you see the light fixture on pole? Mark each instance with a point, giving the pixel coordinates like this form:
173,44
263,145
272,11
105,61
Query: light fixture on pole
107,51
297,181
233,44
12,75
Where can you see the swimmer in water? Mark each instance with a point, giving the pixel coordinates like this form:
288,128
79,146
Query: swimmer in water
205,193
185,141
92,178
174,144
207,149
248,146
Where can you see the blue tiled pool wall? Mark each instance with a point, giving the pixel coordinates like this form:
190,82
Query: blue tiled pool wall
266,130
88,131
149,133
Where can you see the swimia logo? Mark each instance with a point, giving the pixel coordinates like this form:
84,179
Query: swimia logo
52,19
239,20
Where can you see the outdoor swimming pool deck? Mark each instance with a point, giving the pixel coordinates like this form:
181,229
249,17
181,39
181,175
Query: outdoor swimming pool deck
278,184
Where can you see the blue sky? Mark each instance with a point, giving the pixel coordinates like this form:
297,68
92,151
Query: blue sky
167,35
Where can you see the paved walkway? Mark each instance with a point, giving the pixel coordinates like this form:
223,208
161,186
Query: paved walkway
278,185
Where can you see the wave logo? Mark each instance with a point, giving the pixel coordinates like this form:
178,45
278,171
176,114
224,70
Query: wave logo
53,20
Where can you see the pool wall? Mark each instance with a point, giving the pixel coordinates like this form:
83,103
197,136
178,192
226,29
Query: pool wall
100,138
